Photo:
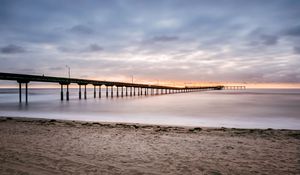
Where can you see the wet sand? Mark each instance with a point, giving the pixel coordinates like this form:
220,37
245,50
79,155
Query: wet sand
40,146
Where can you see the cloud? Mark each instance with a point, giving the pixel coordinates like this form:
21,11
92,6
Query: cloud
159,38
269,39
66,49
293,31
80,49
165,38
94,48
56,68
261,36
297,49
12,49
81,29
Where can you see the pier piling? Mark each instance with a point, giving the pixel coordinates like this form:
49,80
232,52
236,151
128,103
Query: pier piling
20,92
122,91
106,91
61,92
112,91
130,91
67,94
79,92
117,91
85,92
100,91
26,93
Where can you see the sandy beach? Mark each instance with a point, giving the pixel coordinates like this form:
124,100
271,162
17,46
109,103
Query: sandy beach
40,146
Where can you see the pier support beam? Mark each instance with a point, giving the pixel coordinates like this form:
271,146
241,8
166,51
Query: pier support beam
122,91
106,91
94,91
100,91
26,92
79,91
130,91
61,92
67,94
117,91
20,92
112,91
126,91
85,91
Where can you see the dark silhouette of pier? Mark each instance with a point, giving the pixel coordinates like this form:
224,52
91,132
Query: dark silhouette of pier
131,89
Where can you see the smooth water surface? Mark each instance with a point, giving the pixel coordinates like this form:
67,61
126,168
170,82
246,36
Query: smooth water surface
252,108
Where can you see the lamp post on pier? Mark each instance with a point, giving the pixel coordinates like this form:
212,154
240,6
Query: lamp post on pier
69,70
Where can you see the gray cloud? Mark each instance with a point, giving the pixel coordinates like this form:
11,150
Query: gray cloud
66,49
293,31
80,49
269,39
56,68
12,49
81,29
165,38
297,49
260,36
94,48
195,40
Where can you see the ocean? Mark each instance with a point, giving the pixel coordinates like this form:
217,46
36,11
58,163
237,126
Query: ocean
250,108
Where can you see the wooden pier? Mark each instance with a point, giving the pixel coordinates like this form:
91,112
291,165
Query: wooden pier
131,89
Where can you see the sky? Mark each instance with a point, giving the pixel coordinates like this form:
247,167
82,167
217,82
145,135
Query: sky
159,40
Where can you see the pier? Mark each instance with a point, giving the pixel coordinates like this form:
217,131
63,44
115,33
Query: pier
234,87
122,88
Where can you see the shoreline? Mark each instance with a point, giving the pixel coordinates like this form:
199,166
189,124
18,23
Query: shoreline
33,119
50,146
164,128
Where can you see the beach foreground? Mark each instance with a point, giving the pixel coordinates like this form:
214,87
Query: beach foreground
40,146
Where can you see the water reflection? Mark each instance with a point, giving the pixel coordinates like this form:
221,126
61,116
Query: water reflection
244,109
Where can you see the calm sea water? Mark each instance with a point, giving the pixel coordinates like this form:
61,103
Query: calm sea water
252,108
